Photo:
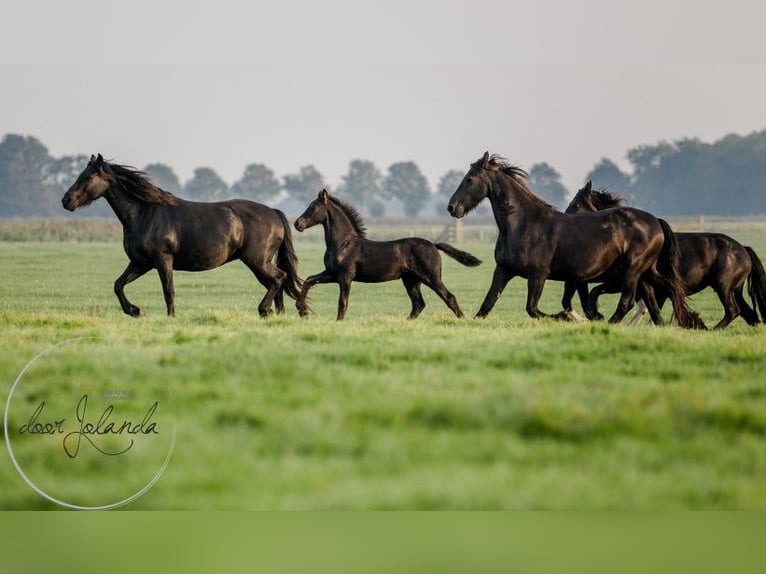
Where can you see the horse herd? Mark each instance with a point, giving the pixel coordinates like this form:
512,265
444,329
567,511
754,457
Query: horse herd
597,240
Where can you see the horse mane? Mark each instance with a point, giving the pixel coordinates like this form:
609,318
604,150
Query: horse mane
353,215
519,178
605,200
138,184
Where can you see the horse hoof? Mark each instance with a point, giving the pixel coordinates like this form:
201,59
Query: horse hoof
135,312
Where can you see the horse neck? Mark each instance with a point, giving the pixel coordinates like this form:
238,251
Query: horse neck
126,207
338,229
505,193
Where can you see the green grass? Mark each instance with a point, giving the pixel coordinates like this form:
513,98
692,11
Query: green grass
380,412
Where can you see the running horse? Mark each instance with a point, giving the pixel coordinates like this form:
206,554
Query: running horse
710,260
351,256
538,242
167,233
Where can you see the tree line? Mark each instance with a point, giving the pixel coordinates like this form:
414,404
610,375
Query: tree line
686,177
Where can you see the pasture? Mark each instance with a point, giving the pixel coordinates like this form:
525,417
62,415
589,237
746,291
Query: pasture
378,412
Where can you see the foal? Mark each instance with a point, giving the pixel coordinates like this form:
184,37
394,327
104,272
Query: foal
350,256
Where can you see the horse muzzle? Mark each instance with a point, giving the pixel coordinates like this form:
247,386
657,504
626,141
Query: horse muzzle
456,211
299,224
67,203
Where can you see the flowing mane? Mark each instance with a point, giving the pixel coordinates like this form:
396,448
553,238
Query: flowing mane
519,178
138,184
353,215
605,200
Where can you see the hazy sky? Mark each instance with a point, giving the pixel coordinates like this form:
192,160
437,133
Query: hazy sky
291,83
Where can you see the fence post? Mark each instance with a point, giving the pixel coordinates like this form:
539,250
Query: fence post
459,235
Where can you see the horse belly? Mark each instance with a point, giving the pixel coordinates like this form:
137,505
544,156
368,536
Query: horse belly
209,249
370,272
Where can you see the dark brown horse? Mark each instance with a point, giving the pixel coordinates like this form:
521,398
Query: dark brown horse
164,232
710,260
350,256
538,242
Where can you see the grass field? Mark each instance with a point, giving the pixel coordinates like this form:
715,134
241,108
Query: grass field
380,412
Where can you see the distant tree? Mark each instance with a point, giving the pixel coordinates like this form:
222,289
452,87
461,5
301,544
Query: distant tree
546,182
206,185
407,183
646,158
164,177
23,190
606,174
61,172
304,185
447,185
257,183
361,185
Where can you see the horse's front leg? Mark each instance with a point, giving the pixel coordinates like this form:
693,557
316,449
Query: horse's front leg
164,264
300,302
591,307
344,282
535,285
499,280
569,290
132,272
569,314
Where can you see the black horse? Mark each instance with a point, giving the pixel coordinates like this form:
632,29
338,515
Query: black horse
350,256
710,260
538,242
164,232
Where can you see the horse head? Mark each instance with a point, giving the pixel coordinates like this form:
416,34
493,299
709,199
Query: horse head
92,183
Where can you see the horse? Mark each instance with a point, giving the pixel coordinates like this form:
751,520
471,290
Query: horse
710,260
166,233
538,242
350,256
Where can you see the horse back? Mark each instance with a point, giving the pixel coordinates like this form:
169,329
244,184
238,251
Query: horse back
708,258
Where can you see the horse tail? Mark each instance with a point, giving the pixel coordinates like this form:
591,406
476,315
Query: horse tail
460,256
669,265
287,261
756,283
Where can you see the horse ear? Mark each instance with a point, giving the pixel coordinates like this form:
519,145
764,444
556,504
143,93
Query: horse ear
92,157
589,186
485,159
323,195
100,159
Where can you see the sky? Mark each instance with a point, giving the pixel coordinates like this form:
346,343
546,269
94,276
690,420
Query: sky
292,83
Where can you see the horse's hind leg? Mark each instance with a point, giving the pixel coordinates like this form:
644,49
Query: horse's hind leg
627,300
412,285
271,277
432,278
131,273
648,302
730,308
747,312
